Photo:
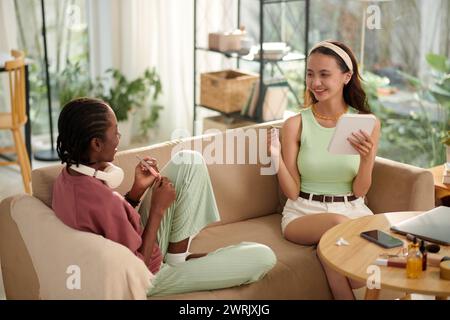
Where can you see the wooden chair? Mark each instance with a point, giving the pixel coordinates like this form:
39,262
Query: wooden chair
16,119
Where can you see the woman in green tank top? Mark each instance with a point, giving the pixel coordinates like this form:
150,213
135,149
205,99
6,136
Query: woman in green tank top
324,190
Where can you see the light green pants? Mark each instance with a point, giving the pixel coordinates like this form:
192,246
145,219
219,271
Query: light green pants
193,209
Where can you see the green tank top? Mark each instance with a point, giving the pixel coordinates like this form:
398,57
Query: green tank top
322,172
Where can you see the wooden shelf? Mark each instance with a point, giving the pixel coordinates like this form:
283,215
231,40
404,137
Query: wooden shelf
276,65
289,57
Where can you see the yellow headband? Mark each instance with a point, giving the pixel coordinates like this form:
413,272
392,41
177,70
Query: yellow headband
338,50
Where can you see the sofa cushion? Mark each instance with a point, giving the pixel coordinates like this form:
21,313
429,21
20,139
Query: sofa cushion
19,275
297,274
230,181
42,182
236,162
116,274
400,187
43,178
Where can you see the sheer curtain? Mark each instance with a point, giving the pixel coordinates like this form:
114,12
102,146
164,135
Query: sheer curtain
8,30
171,50
434,31
8,41
132,35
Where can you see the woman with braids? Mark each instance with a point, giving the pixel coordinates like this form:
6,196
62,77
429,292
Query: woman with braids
324,189
179,203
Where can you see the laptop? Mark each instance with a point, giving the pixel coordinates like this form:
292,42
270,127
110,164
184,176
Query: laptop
433,226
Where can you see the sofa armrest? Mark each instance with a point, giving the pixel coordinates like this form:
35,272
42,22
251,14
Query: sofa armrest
19,277
400,187
42,258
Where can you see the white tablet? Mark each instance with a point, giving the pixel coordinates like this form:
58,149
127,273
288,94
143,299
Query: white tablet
347,124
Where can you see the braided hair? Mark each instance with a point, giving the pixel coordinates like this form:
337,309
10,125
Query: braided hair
79,122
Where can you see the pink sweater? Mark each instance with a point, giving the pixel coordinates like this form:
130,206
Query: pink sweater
85,203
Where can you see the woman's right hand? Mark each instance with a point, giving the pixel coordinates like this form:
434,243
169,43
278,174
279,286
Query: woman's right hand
163,195
273,143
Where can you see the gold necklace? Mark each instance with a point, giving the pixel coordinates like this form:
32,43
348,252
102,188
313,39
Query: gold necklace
320,116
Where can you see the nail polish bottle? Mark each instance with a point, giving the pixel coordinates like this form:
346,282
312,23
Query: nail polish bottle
414,261
423,250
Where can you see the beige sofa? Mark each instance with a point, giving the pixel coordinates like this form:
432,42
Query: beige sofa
37,251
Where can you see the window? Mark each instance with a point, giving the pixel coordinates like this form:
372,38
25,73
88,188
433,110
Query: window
394,42
68,54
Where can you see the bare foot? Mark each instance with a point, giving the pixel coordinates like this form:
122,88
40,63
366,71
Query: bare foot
195,255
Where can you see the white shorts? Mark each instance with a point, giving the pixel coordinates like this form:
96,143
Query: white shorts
302,207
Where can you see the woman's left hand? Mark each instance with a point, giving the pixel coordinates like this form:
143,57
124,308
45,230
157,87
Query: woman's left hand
143,178
363,144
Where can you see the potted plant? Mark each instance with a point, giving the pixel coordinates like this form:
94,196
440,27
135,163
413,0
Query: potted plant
446,141
440,89
123,95
73,82
127,96
431,130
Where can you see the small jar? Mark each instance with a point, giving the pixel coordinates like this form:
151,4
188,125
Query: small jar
423,250
414,261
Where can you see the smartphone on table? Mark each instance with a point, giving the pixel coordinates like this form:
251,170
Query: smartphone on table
382,238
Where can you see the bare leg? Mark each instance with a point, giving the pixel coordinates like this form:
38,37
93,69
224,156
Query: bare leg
181,247
195,255
339,284
178,247
356,284
308,230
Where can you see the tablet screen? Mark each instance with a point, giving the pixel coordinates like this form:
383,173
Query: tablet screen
347,124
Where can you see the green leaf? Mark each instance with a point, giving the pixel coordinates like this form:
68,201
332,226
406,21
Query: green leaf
445,83
414,81
440,90
438,62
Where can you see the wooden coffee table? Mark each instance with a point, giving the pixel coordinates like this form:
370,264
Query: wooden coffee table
353,260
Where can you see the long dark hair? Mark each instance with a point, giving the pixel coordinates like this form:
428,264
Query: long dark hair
79,122
354,94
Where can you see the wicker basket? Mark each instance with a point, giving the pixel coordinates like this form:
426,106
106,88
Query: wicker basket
226,91
225,42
